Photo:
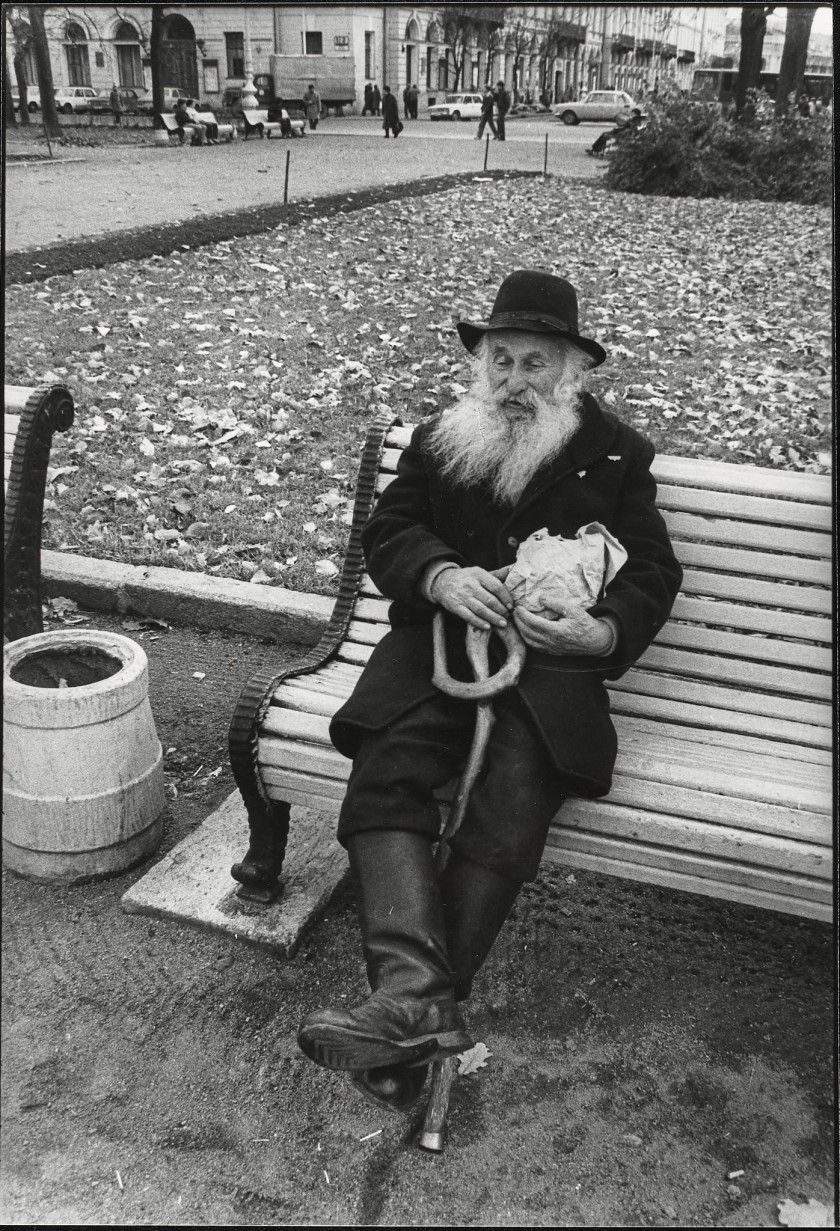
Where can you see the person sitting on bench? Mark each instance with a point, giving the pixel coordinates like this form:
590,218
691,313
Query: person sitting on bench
523,448
185,118
277,114
630,125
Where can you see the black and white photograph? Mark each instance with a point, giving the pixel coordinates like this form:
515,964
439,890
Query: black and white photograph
419,735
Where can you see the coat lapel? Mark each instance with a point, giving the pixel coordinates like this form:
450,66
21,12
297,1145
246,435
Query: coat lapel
591,441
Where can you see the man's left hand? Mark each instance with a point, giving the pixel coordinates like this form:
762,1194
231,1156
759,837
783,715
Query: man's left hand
573,632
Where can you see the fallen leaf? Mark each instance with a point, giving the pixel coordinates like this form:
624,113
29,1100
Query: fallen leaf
473,1059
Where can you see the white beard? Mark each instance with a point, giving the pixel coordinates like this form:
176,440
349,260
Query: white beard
476,441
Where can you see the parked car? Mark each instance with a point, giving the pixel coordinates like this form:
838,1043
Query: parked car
609,106
129,99
33,99
171,94
457,107
71,98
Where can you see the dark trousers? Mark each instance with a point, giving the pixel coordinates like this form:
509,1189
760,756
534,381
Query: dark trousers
397,770
483,122
600,142
501,127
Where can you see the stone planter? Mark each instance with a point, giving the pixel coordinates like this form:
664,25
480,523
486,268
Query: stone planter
83,766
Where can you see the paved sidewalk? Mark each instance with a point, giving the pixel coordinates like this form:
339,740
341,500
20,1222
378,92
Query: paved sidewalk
91,191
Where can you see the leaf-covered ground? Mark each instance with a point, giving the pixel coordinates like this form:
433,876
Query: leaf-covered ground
223,394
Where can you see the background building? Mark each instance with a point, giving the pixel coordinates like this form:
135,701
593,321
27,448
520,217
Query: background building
540,51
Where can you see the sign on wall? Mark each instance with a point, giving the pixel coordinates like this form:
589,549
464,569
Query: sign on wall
341,40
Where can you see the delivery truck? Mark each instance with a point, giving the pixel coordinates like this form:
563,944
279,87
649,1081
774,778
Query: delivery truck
334,78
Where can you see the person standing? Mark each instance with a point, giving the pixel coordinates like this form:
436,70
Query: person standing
413,95
116,105
407,102
368,107
376,99
312,106
390,114
502,106
487,104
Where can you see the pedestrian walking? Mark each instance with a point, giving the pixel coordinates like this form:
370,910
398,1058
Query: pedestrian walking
368,107
487,104
413,96
390,114
312,106
376,99
503,107
116,105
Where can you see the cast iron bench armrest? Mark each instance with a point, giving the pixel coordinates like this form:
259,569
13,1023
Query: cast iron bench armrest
31,418
722,784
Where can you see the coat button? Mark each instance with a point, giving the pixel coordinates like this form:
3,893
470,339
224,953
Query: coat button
513,542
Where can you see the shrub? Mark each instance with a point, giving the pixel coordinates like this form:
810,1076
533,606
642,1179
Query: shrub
690,148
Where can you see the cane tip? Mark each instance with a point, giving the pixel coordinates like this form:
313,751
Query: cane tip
432,1142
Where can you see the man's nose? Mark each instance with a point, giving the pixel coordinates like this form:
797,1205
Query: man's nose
517,381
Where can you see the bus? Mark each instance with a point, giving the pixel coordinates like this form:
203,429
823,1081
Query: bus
718,85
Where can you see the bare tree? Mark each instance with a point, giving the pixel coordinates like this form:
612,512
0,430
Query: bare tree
800,18
41,52
20,43
520,40
753,28
468,24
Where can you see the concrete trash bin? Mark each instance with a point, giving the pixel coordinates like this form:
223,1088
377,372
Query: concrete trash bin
83,793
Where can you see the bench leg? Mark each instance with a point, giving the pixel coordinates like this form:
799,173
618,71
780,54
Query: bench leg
258,873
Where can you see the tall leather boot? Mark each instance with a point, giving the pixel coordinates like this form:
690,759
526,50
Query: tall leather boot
476,902
412,1015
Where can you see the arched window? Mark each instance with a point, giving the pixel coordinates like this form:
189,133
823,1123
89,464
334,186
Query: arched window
75,48
412,31
129,65
178,27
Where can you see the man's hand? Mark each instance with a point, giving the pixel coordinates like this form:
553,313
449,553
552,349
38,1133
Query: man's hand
574,632
475,595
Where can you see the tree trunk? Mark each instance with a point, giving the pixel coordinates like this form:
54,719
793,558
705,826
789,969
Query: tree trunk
20,78
155,47
44,70
800,18
753,28
9,117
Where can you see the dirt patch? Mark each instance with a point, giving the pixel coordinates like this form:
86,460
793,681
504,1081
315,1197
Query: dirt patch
645,1044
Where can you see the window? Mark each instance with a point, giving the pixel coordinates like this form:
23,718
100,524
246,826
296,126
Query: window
235,48
314,43
370,63
78,62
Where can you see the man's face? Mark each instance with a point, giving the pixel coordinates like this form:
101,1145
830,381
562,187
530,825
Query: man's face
520,364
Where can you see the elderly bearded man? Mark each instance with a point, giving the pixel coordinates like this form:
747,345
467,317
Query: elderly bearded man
524,448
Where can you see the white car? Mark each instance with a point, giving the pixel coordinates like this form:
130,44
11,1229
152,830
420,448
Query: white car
171,94
608,106
33,98
70,98
457,107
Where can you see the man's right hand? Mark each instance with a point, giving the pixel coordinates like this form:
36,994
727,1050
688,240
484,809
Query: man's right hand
474,595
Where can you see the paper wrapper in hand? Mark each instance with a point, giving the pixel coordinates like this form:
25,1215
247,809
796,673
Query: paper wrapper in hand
553,574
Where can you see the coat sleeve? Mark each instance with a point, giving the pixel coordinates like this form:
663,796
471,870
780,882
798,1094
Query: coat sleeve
400,540
641,595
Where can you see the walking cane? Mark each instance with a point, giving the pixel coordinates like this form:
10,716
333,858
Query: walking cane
485,686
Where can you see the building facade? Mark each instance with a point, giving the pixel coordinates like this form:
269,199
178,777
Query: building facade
544,51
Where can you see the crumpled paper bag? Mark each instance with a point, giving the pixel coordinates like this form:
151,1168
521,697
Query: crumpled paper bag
552,574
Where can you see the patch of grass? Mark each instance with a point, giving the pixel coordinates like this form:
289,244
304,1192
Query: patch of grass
224,393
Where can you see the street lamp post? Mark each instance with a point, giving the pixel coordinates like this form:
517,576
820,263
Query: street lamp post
249,90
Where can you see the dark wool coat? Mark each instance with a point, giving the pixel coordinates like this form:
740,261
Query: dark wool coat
390,111
602,475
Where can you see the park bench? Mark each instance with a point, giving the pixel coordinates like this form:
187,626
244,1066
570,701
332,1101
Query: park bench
723,781
259,123
229,131
31,418
171,126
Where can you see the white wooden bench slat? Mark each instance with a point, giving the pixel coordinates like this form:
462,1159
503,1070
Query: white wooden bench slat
729,586
7,468
758,619
727,700
354,653
366,633
308,701
670,727
701,472
15,398
728,727
686,766
761,565
718,841
763,649
732,586
671,861
759,676
292,754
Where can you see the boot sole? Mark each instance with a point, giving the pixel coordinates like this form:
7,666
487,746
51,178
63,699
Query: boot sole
334,1047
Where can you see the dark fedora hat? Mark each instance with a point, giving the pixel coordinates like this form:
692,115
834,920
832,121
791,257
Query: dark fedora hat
535,302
